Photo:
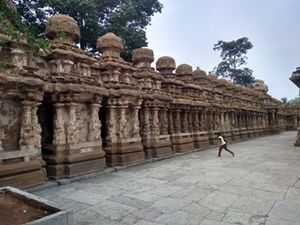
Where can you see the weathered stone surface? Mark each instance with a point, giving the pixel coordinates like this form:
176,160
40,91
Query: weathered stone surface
203,202
62,28
76,114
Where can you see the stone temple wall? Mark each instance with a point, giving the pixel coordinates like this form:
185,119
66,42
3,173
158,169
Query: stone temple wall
64,113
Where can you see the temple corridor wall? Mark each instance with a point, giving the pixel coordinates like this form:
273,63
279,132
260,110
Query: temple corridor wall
65,113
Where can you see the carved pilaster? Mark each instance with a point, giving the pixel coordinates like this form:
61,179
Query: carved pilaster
146,128
195,121
123,132
164,122
222,126
136,121
72,130
171,122
94,123
26,134
111,121
36,128
185,122
190,121
59,136
155,122
177,122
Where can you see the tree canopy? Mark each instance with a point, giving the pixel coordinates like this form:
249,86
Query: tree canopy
294,101
233,54
126,18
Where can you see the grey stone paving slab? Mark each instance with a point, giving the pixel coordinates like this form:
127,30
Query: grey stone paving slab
140,204
191,193
144,196
293,194
286,210
68,204
279,222
112,210
150,181
175,218
219,200
213,222
88,217
262,180
145,222
243,218
297,184
148,213
169,205
249,191
196,210
165,190
216,215
85,197
253,205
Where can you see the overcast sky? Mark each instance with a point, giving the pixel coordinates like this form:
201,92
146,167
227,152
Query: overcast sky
187,31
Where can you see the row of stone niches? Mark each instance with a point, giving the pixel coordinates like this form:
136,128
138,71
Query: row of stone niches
80,138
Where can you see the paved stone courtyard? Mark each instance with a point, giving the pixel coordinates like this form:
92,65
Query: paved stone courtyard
260,186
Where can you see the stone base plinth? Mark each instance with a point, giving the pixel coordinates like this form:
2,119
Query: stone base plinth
244,134
69,161
235,134
22,174
156,147
213,138
124,153
182,143
201,141
297,143
227,136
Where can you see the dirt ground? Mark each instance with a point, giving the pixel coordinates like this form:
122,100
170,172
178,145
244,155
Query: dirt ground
14,211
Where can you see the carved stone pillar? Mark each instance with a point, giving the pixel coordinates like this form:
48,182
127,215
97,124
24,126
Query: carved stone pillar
72,130
164,122
111,121
195,121
59,136
203,121
155,122
94,123
136,121
171,122
36,128
177,122
185,126
222,120
123,132
190,121
146,128
26,134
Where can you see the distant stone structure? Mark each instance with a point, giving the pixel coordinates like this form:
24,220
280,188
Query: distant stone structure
294,111
64,113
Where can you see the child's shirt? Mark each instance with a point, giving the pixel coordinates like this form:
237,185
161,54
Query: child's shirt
221,140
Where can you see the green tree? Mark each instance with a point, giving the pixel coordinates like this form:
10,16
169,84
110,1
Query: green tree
284,100
126,18
12,27
233,54
293,101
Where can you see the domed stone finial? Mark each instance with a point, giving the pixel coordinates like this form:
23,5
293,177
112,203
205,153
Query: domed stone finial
62,29
110,45
143,57
165,65
199,74
260,86
185,71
